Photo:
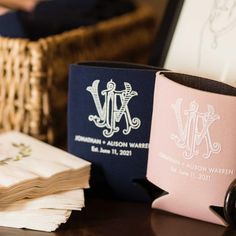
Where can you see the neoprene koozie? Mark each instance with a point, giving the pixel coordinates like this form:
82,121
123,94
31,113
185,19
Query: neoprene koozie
110,109
192,145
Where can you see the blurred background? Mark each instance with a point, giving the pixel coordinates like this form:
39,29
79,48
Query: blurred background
39,39
39,18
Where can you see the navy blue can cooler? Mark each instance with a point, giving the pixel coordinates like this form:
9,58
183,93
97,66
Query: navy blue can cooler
109,121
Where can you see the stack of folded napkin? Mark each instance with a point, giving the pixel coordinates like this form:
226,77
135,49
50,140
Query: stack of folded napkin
39,184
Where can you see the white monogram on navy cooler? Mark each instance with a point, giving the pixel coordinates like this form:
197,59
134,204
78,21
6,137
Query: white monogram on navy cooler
115,106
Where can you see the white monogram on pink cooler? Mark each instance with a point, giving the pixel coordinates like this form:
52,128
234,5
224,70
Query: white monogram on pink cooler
194,129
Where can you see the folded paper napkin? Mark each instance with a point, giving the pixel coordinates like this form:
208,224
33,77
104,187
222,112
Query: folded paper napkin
69,200
30,168
39,184
44,213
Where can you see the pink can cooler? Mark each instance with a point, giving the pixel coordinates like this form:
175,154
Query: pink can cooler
192,154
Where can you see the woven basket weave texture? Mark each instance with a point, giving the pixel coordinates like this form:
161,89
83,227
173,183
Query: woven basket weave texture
34,74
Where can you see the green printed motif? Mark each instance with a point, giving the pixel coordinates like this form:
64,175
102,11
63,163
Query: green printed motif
23,151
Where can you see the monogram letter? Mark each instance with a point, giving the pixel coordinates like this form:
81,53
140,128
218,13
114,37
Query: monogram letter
195,130
114,108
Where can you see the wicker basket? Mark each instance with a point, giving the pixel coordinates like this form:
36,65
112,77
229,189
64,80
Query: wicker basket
33,84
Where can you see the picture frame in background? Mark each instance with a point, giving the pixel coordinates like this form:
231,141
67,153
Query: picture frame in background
198,37
166,31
